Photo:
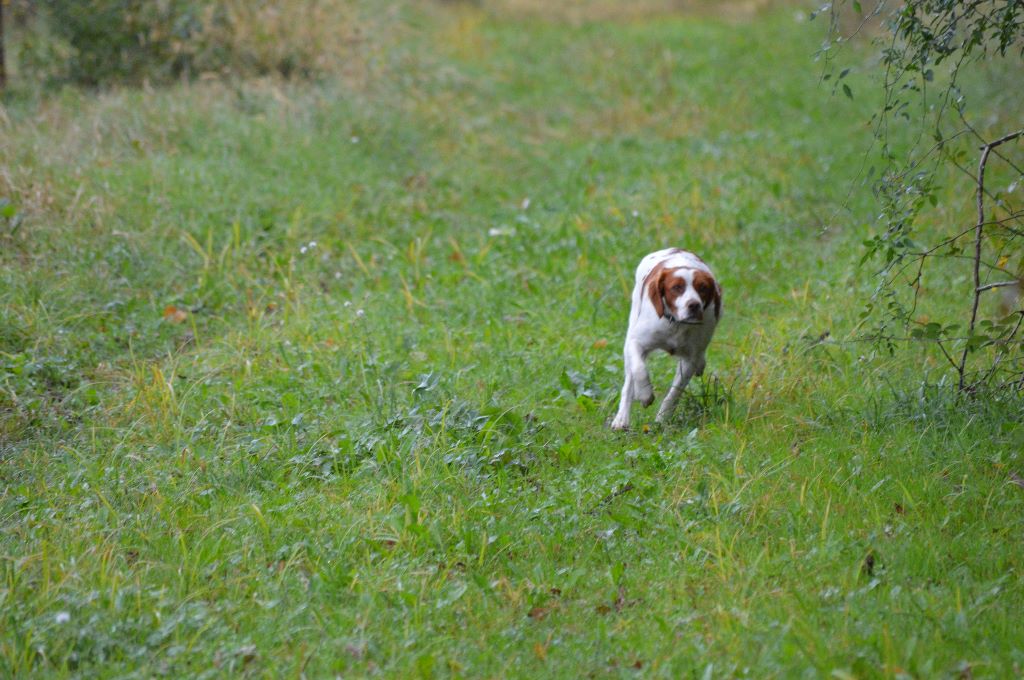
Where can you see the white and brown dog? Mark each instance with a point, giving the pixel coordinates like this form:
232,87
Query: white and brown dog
676,305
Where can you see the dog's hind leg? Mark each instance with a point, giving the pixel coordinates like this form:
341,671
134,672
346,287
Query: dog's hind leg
684,371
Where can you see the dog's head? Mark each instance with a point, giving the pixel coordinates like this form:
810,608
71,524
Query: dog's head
683,294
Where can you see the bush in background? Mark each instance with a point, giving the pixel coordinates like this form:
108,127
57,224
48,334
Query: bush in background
99,42
124,39
273,37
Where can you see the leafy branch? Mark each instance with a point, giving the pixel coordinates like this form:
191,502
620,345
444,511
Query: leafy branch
932,53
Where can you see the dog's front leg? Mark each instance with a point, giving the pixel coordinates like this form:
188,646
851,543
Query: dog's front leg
636,385
621,419
684,372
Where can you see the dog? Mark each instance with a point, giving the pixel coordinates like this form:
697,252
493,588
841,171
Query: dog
676,305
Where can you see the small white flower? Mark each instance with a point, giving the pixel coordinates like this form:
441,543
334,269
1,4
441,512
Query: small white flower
337,275
636,213
355,139
348,303
360,313
312,244
525,204
302,250
62,617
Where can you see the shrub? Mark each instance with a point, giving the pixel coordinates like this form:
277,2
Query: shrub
273,37
125,39
99,42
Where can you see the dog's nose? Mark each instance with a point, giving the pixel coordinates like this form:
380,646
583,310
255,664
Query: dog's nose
693,308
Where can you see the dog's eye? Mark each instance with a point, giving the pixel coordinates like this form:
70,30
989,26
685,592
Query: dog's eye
678,289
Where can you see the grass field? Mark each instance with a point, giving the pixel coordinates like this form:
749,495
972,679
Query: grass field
315,379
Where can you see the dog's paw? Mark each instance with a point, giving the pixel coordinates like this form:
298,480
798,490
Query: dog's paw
620,424
645,395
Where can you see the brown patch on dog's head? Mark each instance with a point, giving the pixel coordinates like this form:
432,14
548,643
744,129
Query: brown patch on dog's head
709,290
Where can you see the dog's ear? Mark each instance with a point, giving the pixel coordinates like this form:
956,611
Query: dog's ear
654,282
709,290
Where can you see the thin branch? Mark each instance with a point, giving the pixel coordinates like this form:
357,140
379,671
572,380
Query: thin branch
1000,284
987,265
978,236
968,230
952,361
981,139
1013,217
1002,140
1010,163
911,258
1009,338
974,178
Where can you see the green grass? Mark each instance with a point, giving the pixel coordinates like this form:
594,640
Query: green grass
387,453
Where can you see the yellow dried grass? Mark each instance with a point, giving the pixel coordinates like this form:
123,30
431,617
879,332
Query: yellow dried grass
277,37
